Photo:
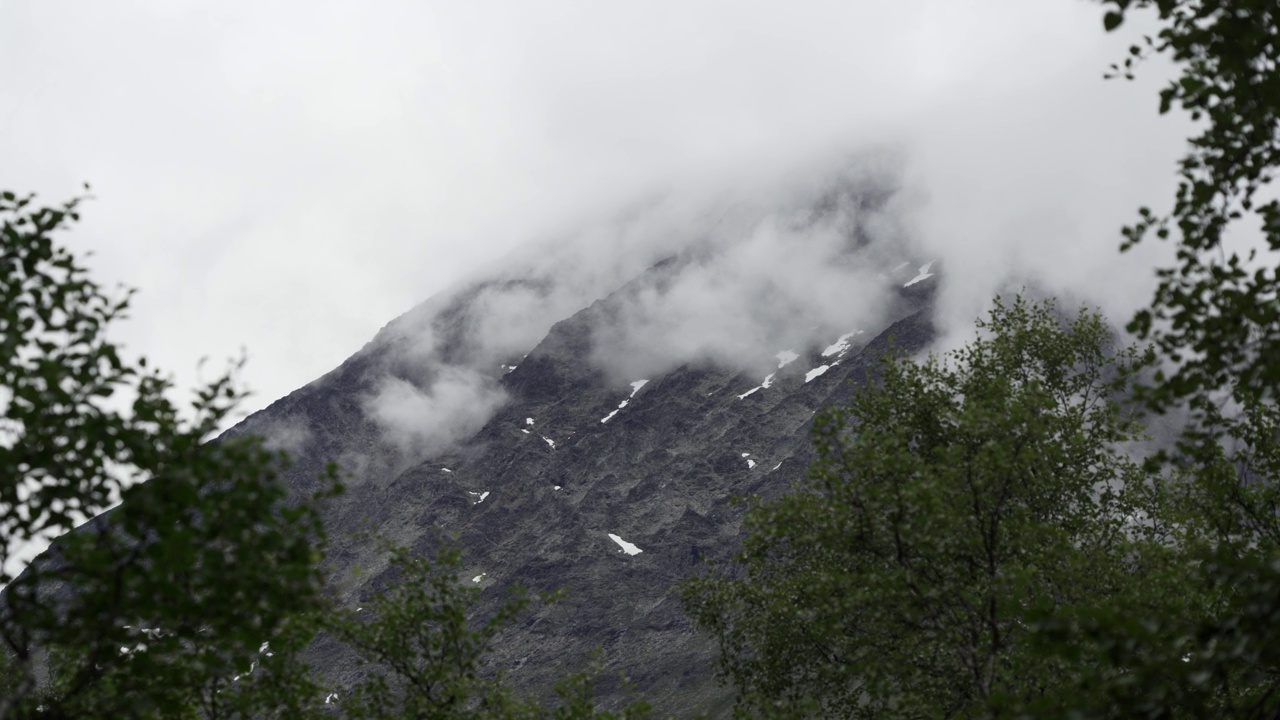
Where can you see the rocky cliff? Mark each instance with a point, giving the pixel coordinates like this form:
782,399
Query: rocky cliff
575,476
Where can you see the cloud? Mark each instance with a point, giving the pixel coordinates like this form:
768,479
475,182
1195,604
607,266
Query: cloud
746,272
285,176
288,434
780,271
420,420
779,260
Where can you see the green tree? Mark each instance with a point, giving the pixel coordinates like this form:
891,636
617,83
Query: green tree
1215,315
1220,661
954,500
1217,658
149,606
1216,323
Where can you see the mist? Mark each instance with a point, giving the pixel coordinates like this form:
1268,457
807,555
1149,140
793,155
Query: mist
729,274
287,177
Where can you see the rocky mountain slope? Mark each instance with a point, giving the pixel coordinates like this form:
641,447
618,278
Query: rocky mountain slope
575,475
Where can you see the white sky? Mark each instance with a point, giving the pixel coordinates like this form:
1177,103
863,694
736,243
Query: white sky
286,176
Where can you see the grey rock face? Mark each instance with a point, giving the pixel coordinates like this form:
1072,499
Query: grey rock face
570,461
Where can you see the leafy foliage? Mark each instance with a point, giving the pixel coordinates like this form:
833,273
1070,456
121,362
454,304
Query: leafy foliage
1216,322
1208,647
153,603
1215,313
951,502
1220,661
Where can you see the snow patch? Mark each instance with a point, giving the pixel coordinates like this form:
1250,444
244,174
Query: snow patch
768,380
555,487
923,274
446,470
478,578
526,432
608,417
816,372
635,388
775,467
480,496
627,547
550,442
528,421
841,345
751,464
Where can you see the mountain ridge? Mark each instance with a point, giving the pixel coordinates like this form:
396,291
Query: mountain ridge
569,461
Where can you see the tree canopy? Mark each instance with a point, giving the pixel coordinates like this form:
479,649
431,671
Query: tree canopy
206,555
954,500
1215,316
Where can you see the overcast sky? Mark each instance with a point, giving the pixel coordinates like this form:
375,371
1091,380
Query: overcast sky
286,176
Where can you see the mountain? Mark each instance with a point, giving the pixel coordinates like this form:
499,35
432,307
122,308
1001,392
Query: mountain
603,456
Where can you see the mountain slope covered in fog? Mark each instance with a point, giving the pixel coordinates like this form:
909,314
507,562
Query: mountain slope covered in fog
578,436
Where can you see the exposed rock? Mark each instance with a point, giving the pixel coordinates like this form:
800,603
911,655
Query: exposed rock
659,474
